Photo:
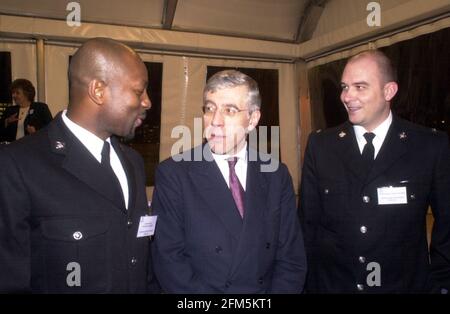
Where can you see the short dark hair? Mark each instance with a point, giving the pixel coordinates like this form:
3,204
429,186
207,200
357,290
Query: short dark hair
385,66
28,89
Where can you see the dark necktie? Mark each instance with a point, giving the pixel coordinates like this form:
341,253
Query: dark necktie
106,164
368,152
235,186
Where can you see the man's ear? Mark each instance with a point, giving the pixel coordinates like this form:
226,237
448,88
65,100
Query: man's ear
96,91
254,119
390,89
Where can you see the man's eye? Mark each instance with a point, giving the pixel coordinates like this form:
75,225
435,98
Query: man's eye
231,110
209,109
360,87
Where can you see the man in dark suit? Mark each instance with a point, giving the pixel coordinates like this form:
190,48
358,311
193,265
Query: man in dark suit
225,226
71,196
365,192
27,116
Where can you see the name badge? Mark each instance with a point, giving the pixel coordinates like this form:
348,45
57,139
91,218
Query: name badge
147,226
392,195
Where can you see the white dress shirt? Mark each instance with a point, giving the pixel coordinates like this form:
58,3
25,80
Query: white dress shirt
380,134
240,168
94,145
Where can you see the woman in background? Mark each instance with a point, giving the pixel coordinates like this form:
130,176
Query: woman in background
26,116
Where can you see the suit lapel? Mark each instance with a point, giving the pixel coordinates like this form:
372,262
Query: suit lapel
255,207
394,147
215,193
79,161
348,150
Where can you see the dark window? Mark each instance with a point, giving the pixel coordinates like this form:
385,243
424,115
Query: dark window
5,80
423,69
147,136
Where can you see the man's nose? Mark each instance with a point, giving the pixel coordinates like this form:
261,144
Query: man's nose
217,118
347,95
146,102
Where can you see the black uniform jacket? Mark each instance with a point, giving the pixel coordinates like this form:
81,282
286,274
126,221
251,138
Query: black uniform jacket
353,243
62,227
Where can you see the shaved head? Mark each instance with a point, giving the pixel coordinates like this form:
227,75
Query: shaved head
107,88
98,58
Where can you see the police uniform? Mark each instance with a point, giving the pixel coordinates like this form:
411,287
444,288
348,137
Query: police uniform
61,228
358,240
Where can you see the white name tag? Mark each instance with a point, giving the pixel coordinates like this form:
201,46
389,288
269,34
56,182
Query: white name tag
392,195
147,226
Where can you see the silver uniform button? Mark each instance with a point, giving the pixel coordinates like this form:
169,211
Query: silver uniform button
360,287
363,229
366,199
413,196
77,235
326,191
362,259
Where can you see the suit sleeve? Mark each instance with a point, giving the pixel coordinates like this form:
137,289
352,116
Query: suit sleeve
310,204
14,228
440,204
171,261
46,115
42,117
290,264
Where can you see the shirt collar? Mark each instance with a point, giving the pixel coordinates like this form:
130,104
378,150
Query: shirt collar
380,131
241,155
91,141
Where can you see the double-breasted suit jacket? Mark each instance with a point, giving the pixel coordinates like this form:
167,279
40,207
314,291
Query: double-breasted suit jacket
202,245
60,218
353,243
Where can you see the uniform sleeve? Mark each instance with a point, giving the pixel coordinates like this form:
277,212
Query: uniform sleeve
440,204
14,228
310,206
